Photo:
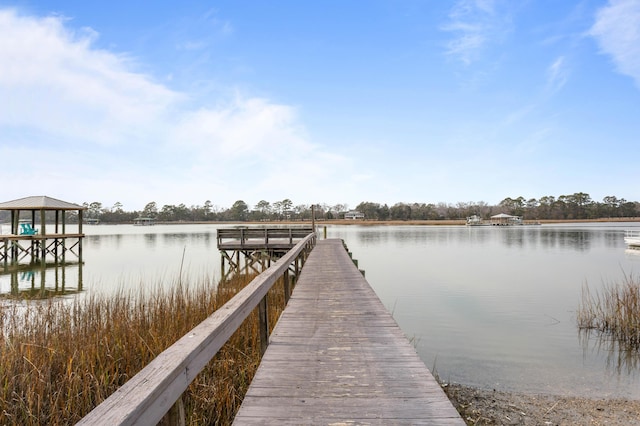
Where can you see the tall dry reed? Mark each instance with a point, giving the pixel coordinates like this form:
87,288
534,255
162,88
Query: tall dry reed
60,359
614,311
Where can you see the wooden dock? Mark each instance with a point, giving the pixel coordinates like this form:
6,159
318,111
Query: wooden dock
259,247
26,243
337,356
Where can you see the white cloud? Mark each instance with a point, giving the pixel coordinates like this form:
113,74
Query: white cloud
245,126
617,31
94,128
557,74
53,81
475,25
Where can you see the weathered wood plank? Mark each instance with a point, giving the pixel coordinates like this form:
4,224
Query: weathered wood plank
306,420
337,356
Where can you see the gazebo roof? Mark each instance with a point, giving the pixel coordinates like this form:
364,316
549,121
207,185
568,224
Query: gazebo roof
39,203
502,216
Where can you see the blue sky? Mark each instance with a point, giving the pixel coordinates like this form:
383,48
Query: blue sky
332,102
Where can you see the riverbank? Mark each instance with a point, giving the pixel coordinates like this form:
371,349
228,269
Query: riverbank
451,222
367,222
492,407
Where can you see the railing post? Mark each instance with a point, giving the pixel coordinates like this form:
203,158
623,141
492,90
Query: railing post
176,415
287,288
264,325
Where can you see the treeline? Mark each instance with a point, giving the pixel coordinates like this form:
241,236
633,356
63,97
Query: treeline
239,211
566,207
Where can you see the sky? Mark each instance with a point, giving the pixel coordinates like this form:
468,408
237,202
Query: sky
333,102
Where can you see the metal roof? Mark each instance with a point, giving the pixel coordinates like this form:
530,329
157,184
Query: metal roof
502,216
39,203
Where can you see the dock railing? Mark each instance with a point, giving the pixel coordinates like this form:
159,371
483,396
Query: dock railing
262,235
150,395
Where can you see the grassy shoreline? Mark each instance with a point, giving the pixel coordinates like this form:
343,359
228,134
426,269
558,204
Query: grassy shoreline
58,360
614,311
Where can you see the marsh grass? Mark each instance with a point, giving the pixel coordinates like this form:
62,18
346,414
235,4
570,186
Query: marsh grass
60,359
614,311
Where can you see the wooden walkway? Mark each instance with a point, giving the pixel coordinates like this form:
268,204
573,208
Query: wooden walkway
337,357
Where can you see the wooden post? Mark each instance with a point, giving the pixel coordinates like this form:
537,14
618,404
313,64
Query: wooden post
15,214
176,415
80,276
43,232
222,274
80,232
264,325
64,231
14,283
287,288
313,217
5,251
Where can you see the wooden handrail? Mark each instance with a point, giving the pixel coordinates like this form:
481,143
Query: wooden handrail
150,394
245,234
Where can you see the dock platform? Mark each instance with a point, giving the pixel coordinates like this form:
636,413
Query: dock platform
337,356
259,247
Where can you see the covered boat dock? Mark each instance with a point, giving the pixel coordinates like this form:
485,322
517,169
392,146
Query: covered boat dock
38,228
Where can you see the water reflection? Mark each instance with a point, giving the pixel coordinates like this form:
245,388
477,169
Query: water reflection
620,359
496,305
512,237
41,281
151,240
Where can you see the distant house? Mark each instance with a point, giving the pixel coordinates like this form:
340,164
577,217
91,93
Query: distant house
144,221
354,215
503,219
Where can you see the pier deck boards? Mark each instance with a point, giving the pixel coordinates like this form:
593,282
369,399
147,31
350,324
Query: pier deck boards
337,356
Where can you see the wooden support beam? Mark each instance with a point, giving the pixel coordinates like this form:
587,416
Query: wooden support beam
264,324
286,285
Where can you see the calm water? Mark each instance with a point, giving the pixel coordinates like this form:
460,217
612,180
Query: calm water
490,307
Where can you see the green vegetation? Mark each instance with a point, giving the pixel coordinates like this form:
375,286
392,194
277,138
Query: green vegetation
614,312
565,207
61,358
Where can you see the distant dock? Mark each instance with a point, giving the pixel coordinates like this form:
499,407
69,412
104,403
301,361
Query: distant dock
38,240
258,247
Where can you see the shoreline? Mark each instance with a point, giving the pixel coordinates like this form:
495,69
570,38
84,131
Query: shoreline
365,222
492,407
463,222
